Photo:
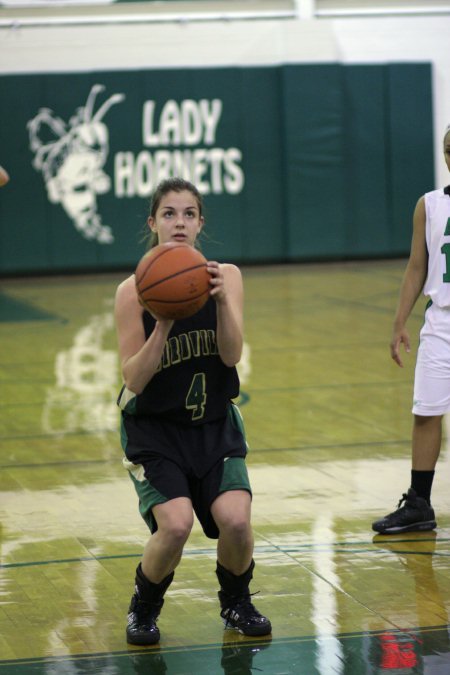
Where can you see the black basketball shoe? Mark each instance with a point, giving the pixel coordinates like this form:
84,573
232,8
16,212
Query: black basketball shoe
241,614
145,606
142,617
415,515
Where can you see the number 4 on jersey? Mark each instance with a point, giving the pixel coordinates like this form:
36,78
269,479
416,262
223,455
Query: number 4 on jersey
196,396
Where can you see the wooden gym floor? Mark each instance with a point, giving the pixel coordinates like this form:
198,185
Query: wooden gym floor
328,421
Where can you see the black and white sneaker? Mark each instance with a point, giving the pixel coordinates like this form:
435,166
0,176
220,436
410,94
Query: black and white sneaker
242,615
142,617
413,514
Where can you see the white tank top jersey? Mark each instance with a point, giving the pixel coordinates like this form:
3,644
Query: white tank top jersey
437,232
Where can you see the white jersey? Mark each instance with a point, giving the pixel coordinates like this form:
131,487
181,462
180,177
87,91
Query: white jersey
437,232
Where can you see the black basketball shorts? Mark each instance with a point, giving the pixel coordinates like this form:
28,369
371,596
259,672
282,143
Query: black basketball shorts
160,476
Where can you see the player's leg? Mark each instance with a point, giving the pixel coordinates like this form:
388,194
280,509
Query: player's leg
426,442
155,572
163,502
414,511
235,564
231,511
431,401
163,550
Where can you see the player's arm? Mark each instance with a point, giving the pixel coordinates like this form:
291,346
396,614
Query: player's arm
412,283
139,358
228,292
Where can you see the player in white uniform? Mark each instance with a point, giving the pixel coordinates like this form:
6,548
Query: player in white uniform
427,271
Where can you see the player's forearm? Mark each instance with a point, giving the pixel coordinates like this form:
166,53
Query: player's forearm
229,335
139,369
411,288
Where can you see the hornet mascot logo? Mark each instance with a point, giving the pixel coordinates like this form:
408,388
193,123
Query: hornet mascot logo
71,158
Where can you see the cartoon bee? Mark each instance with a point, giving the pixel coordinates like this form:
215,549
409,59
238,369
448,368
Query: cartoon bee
72,161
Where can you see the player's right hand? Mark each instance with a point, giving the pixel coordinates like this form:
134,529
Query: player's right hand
400,337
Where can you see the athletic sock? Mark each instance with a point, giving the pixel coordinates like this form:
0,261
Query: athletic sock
421,483
149,591
232,584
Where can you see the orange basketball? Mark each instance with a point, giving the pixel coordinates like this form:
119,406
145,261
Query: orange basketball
172,281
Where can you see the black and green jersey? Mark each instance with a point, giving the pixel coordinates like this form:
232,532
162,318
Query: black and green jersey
192,385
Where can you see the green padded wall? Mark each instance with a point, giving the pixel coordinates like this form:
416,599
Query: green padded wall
296,162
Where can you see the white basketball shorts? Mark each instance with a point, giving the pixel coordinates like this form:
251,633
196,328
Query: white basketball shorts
432,375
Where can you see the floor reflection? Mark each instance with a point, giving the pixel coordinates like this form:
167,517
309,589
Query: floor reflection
392,652
424,650
83,397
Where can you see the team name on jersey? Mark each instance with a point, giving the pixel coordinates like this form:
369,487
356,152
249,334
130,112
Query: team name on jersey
187,346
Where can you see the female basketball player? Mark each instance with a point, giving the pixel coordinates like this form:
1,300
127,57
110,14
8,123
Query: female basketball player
183,439
428,270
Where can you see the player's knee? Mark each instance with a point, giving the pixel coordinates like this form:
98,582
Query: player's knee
178,530
236,525
175,520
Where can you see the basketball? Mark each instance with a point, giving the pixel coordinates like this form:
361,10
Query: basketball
172,280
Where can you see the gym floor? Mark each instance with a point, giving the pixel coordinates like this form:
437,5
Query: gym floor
328,421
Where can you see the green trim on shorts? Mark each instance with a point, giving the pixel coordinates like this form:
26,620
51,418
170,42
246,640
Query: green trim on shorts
427,306
123,434
237,421
235,475
147,495
148,498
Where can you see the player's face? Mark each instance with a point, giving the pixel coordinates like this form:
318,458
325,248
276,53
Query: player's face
447,150
177,218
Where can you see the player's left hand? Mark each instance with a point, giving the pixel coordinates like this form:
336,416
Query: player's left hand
217,281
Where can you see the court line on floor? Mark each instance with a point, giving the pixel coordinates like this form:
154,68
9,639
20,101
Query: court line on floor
337,547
